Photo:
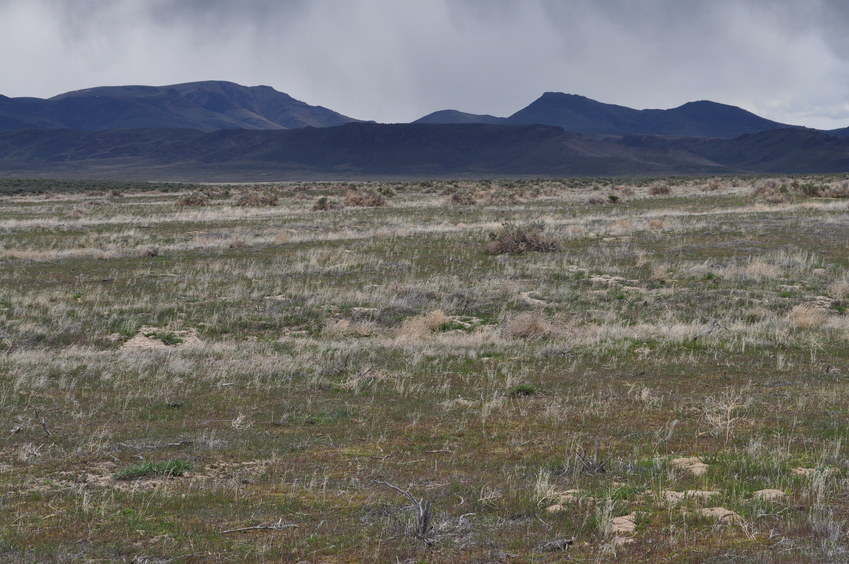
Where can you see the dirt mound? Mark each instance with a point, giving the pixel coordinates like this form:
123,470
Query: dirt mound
692,464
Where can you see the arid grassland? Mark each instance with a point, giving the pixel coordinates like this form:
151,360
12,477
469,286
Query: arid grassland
475,371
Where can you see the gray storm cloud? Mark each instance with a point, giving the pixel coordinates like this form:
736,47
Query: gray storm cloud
396,61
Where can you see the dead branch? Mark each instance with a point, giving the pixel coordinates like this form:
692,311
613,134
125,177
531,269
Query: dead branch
278,526
41,420
421,506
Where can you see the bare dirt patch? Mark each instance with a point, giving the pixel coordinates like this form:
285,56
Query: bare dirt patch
156,338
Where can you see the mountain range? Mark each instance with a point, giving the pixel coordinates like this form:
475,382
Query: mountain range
208,105
223,131
583,115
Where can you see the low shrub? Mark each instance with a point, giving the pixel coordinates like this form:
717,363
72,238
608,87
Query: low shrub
326,204
517,239
257,199
193,199
522,390
458,199
365,198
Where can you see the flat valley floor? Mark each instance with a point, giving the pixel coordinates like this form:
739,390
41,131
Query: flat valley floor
593,370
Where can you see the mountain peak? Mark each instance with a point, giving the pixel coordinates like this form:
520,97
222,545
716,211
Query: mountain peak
701,118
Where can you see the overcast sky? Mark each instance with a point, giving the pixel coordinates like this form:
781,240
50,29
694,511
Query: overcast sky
396,60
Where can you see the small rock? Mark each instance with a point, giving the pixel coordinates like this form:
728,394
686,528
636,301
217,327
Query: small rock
555,545
527,299
721,514
770,495
692,464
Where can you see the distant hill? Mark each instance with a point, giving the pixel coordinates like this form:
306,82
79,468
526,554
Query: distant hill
778,151
205,105
580,114
453,116
360,150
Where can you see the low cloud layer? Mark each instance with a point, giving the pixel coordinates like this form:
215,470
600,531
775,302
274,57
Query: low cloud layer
396,61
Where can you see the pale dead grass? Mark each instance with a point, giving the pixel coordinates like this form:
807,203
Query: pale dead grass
807,317
420,326
336,328
528,326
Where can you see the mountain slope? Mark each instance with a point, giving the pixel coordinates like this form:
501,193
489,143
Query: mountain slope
360,149
797,151
205,105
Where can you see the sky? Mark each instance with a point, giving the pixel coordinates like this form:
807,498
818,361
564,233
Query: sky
397,60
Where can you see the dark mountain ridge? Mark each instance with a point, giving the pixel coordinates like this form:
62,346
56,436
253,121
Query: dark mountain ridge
207,105
584,115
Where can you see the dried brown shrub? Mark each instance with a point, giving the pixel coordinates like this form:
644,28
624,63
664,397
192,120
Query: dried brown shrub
807,317
514,239
193,199
257,199
367,198
527,325
660,190
460,199
421,325
774,191
347,328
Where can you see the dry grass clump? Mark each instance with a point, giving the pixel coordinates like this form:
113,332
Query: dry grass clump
336,328
257,199
807,317
657,224
756,313
712,185
461,199
660,190
839,289
366,198
528,326
515,239
756,270
422,325
193,199
501,198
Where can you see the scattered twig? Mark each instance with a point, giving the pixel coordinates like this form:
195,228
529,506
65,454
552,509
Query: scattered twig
278,526
41,420
592,465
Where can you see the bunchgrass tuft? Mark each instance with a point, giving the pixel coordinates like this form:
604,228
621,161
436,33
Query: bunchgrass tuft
175,467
